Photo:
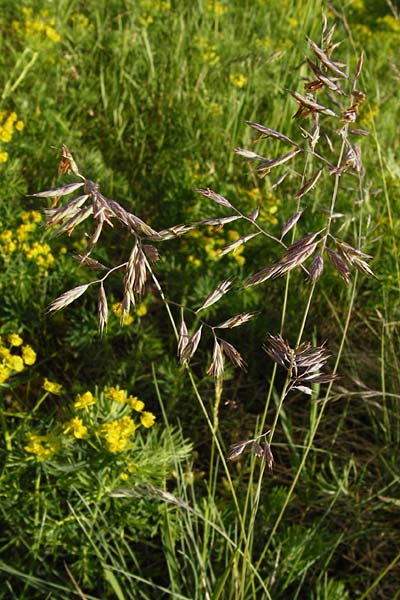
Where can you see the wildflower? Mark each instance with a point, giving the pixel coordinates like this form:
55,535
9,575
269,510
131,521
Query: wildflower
147,419
194,261
124,476
146,20
84,400
141,310
216,7
52,387
52,34
28,355
118,433
5,373
14,339
237,79
77,428
43,446
3,157
130,466
263,43
126,319
24,230
116,395
4,352
31,215
82,22
210,56
15,363
135,403
392,23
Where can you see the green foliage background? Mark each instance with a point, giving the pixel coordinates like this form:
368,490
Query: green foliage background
151,98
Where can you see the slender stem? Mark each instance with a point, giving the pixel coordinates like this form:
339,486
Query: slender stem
380,576
314,429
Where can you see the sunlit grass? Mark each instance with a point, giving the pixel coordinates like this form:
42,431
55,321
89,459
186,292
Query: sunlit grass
151,97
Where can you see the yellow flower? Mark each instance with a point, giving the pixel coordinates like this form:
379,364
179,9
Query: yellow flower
29,355
19,125
52,34
146,20
124,476
141,310
15,340
15,363
147,419
3,157
391,22
216,7
116,395
77,428
31,215
4,352
127,319
194,261
237,79
135,403
5,373
118,433
43,446
84,400
52,387
211,57
264,44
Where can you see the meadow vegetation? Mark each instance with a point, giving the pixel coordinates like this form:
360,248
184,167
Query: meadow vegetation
200,275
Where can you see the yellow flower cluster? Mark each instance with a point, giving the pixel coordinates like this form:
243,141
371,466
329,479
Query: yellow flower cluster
77,428
115,394
217,8
151,9
52,387
270,204
367,117
40,28
263,44
390,22
237,79
84,400
127,319
42,446
81,22
21,240
213,244
156,6
8,124
12,362
117,433
208,51
292,22
210,56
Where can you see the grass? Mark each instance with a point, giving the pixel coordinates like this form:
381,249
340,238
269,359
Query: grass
151,98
